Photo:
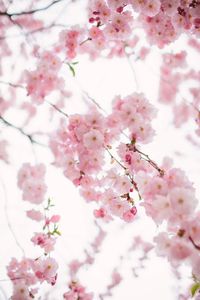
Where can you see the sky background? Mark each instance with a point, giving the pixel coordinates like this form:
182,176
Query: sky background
101,79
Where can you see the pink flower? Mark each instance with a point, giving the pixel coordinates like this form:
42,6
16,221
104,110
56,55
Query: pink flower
116,278
77,292
123,185
74,266
118,207
31,181
95,32
21,292
93,139
100,213
159,208
163,244
45,270
45,241
55,219
179,249
183,201
35,215
34,192
194,230
129,215
21,269
44,79
151,7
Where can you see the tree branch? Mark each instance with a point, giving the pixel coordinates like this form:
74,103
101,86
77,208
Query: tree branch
150,161
12,84
58,109
29,136
9,15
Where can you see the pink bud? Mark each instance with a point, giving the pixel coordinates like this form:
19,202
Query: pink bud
91,20
120,9
133,210
55,219
99,213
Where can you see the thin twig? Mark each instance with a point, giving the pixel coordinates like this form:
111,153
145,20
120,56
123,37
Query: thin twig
29,136
12,279
58,109
126,172
12,84
86,40
133,71
193,243
150,161
8,219
85,94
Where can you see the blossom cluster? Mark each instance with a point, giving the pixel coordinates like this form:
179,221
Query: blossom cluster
163,20
31,182
44,79
77,291
100,153
184,108
168,196
111,25
28,273
82,147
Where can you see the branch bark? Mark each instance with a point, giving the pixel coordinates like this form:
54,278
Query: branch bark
30,12
29,136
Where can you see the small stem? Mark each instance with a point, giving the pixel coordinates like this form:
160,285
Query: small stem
127,173
136,188
193,243
86,40
150,161
133,71
12,84
12,279
117,161
58,109
85,94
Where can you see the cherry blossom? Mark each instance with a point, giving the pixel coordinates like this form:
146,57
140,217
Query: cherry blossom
101,148
31,181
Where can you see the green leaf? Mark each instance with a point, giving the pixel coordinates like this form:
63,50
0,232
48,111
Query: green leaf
74,63
49,204
195,288
57,232
71,69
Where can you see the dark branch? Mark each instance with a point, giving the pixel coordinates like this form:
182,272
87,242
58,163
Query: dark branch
12,84
30,11
193,243
150,161
29,136
58,109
